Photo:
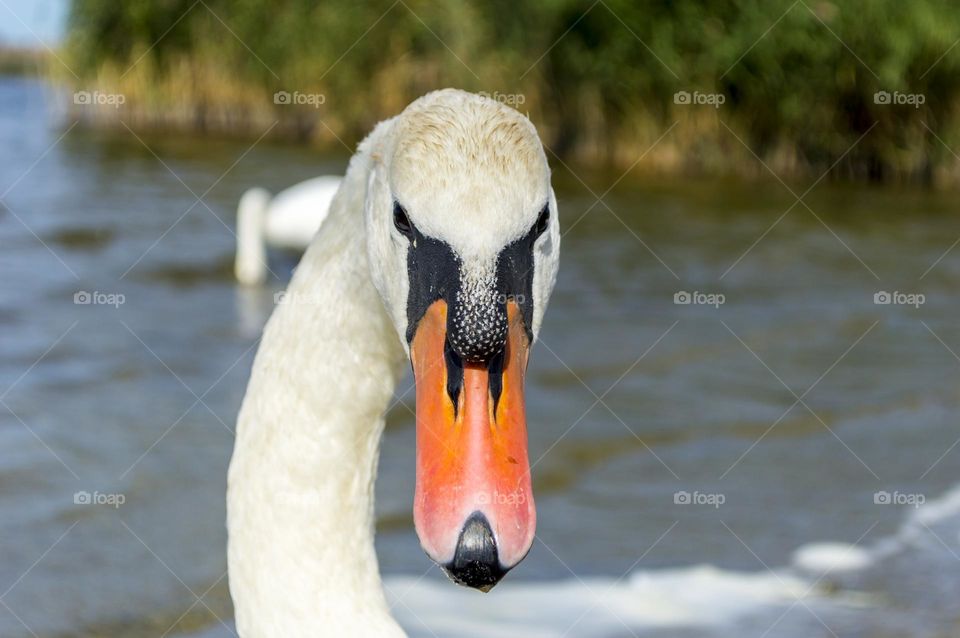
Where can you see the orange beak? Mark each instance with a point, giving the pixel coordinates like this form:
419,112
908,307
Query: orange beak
473,507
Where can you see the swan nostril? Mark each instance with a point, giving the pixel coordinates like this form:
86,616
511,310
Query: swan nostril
476,562
454,365
495,370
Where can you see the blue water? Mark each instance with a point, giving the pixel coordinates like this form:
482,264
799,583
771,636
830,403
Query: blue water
136,401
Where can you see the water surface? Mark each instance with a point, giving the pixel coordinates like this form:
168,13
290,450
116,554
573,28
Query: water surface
795,401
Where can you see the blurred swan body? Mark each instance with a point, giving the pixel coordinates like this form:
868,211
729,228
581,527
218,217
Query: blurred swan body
445,212
288,220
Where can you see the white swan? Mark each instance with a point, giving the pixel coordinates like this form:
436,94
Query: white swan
288,220
442,244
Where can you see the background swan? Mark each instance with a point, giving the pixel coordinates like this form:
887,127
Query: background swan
288,220
442,244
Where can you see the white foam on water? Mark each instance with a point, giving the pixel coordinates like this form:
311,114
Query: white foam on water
937,510
655,599
918,529
824,558
703,596
699,597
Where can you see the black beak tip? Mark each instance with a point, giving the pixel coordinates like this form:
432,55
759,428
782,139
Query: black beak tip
476,563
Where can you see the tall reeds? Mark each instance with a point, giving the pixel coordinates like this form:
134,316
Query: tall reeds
864,89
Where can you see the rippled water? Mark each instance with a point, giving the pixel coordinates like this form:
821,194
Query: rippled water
794,402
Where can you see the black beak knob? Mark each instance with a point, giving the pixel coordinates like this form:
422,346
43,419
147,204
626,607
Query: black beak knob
475,563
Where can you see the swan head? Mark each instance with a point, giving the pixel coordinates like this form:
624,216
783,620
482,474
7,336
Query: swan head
463,245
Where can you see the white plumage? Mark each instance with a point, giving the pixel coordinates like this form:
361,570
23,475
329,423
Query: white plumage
288,220
300,497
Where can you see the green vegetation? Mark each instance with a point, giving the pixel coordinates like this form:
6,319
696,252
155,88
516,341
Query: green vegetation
22,62
797,81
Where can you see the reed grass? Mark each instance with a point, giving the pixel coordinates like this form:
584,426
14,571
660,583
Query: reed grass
798,81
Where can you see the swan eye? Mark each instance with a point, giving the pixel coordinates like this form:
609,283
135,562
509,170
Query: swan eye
543,221
401,221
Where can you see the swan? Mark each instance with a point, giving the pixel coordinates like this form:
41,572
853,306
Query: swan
288,220
440,252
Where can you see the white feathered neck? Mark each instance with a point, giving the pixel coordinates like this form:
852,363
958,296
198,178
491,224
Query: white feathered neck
300,495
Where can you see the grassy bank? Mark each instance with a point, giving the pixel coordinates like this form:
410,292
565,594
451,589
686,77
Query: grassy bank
15,61
715,81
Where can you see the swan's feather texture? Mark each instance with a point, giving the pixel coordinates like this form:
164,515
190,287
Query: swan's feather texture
300,492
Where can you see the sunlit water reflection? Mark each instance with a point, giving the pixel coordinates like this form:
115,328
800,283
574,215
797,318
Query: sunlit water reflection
793,402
